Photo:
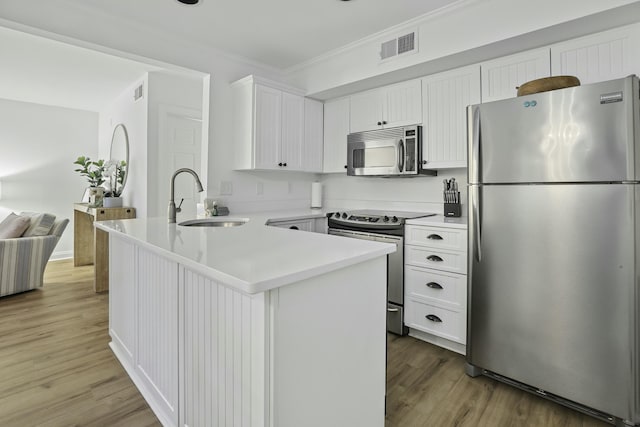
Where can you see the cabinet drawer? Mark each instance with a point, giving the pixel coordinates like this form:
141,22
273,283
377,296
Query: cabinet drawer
438,287
444,323
453,261
436,237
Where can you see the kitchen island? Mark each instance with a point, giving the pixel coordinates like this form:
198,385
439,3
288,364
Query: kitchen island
249,325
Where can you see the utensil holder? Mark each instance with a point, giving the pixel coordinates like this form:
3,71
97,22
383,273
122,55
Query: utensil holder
452,209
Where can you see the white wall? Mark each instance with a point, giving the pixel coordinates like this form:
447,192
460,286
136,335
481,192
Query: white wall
39,145
133,114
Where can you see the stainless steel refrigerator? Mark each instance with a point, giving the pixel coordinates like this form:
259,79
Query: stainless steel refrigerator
554,226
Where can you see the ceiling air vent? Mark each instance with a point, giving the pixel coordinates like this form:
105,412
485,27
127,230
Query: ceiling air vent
398,46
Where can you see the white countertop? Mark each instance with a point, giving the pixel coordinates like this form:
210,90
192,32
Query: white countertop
252,257
440,221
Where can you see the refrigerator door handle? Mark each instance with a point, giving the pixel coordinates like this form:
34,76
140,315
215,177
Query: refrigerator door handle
473,118
475,221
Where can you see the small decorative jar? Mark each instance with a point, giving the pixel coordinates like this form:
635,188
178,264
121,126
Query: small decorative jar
96,195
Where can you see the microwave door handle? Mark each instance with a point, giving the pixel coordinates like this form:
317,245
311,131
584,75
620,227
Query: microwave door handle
401,155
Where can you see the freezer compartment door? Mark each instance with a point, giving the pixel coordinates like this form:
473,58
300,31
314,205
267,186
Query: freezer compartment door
552,288
579,134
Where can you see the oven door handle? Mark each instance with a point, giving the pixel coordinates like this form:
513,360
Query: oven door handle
401,155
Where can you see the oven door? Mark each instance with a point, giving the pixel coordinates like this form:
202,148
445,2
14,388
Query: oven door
377,158
395,276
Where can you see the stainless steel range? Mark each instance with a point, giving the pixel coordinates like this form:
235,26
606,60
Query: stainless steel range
387,227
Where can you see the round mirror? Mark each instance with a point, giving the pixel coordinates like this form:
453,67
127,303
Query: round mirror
120,149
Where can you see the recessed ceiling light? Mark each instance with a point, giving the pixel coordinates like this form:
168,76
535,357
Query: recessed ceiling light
189,1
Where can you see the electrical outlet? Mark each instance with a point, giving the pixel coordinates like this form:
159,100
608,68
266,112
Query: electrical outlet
260,188
226,188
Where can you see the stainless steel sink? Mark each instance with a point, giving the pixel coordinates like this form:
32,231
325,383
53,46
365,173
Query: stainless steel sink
214,222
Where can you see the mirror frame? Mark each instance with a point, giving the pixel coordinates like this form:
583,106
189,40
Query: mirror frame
126,140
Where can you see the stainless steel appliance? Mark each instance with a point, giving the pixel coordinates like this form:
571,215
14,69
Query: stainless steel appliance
386,152
381,226
554,240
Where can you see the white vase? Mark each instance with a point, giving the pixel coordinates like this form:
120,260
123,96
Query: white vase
112,202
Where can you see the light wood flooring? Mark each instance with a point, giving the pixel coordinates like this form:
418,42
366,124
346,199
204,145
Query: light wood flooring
56,369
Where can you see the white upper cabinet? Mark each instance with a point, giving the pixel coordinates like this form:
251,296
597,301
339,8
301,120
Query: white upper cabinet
292,132
389,106
336,129
313,136
501,77
445,98
268,131
599,57
272,130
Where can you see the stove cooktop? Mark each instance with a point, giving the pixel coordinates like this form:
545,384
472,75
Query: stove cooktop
374,218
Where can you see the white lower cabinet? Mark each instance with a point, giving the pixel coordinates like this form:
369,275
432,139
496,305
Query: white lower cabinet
205,354
436,285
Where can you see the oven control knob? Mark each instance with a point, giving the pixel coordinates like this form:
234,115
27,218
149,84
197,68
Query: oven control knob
344,214
385,219
336,215
394,219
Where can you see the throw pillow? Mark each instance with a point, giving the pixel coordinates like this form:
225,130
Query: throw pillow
41,223
13,226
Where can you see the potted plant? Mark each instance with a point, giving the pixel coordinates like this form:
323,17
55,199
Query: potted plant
94,172
114,171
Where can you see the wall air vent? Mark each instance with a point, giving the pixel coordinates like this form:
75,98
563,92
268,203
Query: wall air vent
137,93
398,46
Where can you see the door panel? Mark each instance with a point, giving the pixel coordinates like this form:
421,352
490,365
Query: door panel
552,281
566,135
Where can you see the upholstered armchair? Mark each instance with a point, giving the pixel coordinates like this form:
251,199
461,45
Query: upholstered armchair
23,259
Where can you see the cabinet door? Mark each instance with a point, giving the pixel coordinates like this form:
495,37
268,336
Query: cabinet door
268,126
366,110
157,361
402,104
604,56
336,129
122,298
501,77
445,97
223,348
292,131
312,148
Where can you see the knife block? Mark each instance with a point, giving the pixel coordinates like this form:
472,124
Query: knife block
452,209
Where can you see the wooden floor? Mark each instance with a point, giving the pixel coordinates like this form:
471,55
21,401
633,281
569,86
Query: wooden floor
57,370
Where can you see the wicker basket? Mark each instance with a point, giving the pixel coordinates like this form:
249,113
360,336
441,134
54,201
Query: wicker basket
546,84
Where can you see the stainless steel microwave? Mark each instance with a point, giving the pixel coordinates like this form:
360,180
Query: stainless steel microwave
386,152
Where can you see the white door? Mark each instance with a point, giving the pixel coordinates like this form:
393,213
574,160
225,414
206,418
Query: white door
312,149
181,131
446,97
336,129
268,127
292,132
403,104
604,56
366,110
501,77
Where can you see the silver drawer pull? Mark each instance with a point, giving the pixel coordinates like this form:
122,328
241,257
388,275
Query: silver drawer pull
435,258
434,237
393,310
433,318
434,285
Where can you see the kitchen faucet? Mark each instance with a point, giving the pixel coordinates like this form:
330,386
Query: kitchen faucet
172,204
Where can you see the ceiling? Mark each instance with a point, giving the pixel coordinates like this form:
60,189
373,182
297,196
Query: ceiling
279,33
43,71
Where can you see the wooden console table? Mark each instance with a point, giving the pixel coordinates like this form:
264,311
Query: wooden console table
91,246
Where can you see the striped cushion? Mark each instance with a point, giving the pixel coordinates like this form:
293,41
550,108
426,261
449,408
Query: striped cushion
13,226
41,224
